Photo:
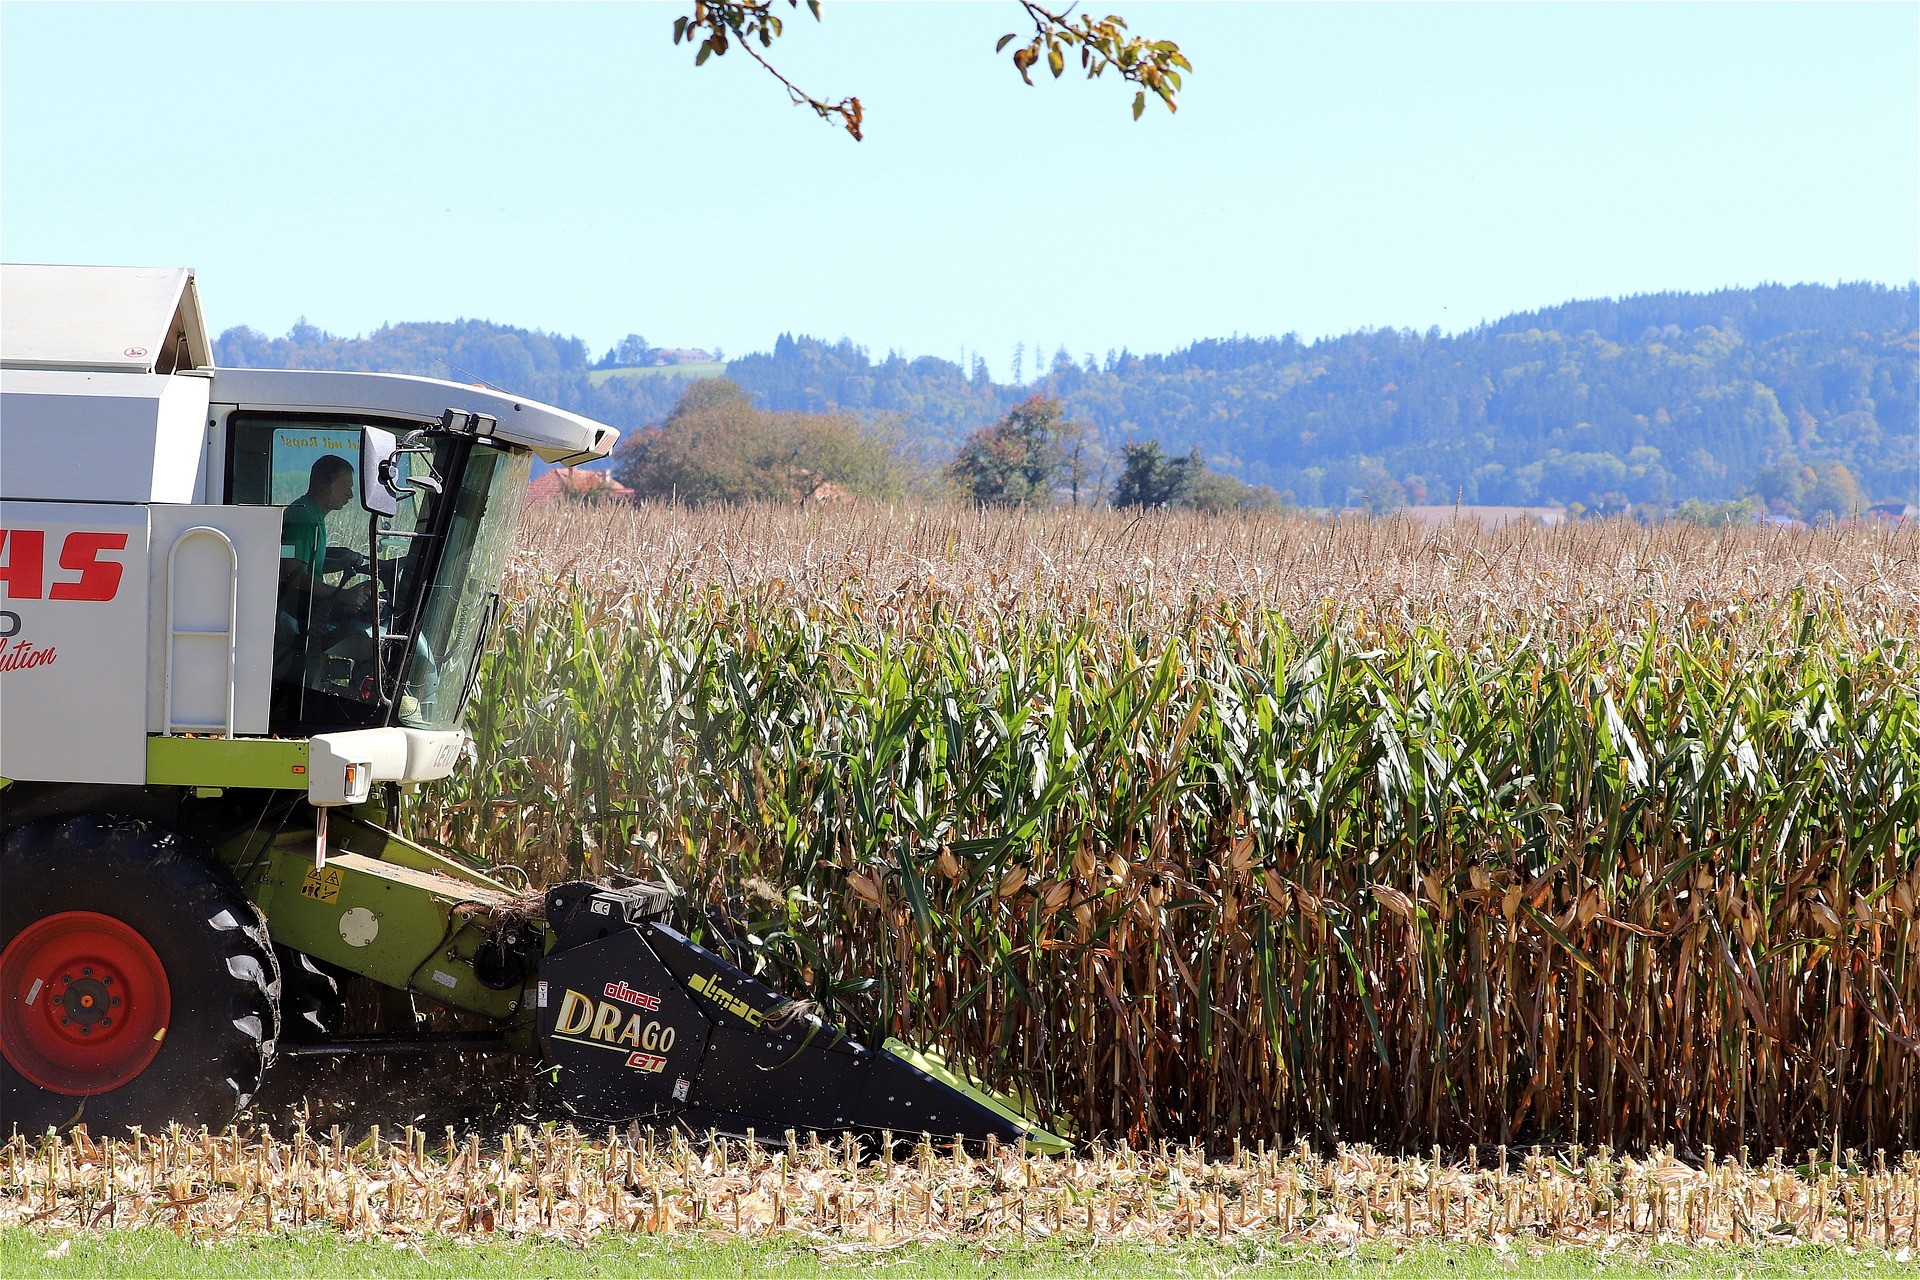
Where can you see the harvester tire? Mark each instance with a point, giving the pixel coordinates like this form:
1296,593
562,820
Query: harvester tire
115,926
310,999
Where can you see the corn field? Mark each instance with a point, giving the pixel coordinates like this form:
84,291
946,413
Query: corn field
1260,829
561,1185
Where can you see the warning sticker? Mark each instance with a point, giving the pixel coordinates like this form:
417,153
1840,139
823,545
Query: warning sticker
322,884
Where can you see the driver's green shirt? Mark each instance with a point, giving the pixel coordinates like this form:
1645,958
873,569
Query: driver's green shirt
303,534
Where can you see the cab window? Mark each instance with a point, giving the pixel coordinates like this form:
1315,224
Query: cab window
325,668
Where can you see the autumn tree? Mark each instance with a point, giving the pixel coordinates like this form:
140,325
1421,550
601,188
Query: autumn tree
1824,489
714,446
1017,461
1834,493
718,446
858,456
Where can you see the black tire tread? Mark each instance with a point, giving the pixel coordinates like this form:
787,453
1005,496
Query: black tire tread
312,1006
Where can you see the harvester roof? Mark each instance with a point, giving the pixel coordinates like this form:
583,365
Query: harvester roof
101,319
555,435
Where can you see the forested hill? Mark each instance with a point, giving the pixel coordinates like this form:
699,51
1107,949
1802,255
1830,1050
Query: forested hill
540,366
1648,399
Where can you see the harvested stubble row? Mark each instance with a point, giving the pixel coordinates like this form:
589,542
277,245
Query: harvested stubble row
556,1183
1624,855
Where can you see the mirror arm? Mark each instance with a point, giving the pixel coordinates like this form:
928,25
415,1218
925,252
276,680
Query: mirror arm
416,442
373,597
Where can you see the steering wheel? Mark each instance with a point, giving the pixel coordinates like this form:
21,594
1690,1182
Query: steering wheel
344,561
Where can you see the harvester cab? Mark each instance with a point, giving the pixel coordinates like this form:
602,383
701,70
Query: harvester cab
241,613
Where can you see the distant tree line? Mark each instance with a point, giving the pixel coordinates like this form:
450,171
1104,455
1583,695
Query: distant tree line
719,446
1797,397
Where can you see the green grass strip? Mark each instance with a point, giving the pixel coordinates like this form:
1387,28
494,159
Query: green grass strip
152,1252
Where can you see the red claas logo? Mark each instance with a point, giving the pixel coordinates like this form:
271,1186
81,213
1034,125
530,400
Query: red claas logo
24,573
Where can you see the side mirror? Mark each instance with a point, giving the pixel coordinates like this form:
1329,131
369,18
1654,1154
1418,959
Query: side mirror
378,492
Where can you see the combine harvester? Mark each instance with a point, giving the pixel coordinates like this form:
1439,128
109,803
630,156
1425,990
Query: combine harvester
241,613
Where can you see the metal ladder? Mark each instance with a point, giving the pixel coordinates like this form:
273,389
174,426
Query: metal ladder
177,633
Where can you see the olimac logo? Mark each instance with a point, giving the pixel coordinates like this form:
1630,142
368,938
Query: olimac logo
710,987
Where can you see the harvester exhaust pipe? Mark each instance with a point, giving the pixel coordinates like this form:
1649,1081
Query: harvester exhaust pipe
638,1023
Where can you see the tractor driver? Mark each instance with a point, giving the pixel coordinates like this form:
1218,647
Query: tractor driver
306,598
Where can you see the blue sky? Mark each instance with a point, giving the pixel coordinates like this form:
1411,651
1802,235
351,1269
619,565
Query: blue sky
565,167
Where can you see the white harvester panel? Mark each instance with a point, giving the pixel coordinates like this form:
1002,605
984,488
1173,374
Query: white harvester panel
73,638
102,437
127,319
204,676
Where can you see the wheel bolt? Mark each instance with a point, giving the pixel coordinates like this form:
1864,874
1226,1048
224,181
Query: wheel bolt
66,1022
86,1031
115,1002
106,1022
86,971
106,980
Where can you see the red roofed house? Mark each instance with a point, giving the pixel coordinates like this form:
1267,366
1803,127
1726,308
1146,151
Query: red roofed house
578,484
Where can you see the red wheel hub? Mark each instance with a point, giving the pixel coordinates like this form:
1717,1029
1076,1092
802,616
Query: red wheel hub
84,1003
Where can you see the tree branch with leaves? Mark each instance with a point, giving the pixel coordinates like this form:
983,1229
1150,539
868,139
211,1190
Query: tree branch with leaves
721,24
1103,44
